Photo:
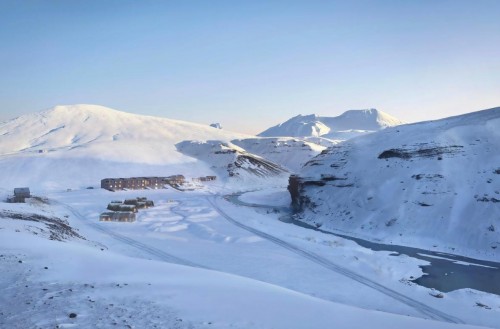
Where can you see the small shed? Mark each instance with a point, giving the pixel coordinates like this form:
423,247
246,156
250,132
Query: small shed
20,195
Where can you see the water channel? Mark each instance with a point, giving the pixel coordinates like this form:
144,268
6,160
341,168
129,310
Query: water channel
445,272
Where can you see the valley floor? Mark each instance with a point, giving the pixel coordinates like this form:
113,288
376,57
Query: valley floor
195,260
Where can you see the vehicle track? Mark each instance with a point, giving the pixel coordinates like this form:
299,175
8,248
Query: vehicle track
158,253
420,307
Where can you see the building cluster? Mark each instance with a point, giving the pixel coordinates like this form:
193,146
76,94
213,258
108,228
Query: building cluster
204,179
20,195
125,211
140,183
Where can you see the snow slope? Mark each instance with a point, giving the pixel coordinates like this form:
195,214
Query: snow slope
97,131
432,184
291,153
347,125
77,145
231,161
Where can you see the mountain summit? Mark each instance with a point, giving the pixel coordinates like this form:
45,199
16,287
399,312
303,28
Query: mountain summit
344,126
99,131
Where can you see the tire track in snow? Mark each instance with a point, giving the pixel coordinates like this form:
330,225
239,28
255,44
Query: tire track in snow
158,253
428,311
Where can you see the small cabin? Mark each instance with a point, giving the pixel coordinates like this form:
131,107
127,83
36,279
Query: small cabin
20,195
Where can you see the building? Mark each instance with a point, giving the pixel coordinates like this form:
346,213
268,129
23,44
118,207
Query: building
20,195
175,180
139,203
205,179
117,216
113,206
139,183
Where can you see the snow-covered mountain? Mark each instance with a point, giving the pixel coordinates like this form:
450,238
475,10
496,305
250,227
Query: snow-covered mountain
229,160
97,131
433,183
291,153
347,125
260,157
77,145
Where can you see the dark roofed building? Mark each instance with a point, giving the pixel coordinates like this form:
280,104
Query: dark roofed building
20,195
117,216
138,183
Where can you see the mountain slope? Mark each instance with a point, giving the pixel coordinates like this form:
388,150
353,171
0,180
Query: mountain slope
429,184
229,160
349,124
95,131
77,145
291,153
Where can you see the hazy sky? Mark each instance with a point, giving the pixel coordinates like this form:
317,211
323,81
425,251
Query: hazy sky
251,64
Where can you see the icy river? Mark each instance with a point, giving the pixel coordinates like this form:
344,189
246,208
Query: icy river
445,272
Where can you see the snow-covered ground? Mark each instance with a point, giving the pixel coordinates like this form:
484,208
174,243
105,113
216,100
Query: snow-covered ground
196,259
278,276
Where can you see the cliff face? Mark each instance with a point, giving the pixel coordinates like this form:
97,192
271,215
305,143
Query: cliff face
295,187
404,184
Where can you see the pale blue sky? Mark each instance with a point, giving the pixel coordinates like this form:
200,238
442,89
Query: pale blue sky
251,64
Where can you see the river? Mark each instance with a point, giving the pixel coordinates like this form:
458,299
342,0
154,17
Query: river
445,272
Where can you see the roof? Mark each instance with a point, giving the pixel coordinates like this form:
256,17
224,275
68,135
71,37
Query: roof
22,190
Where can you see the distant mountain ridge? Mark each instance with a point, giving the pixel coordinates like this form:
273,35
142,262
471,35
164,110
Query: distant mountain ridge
347,125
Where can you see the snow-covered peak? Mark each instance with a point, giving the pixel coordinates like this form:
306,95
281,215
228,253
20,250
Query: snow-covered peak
78,109
349,124
371,119
72,127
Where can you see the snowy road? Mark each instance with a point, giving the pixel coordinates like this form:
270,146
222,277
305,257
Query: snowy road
425,310
420,307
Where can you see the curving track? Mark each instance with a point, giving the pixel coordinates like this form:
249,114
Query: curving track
420,307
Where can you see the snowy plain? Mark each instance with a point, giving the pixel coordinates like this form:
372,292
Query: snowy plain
128,266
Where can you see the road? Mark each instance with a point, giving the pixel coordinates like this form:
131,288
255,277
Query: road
427,311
